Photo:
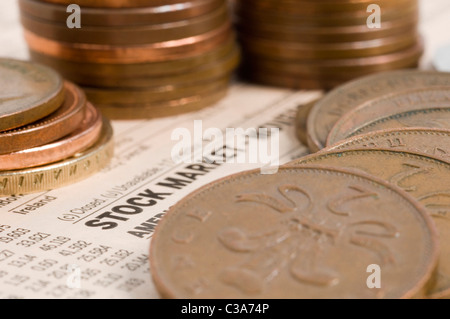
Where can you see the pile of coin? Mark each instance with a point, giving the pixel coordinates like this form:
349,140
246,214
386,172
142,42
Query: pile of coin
50,135
375,198
311,44
137,59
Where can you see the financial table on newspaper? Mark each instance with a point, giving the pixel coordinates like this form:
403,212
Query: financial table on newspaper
73,242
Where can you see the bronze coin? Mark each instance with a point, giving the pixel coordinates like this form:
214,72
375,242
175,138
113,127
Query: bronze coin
301,118
328,34
84,136
423,177
429,107
28,92
51,128
163,109
219,68
305,232
338,69
433,142
155,52
116,3
321,7
325,74
343,99
86,70
136,35
298,51
250,15
121,17
120,96
62,173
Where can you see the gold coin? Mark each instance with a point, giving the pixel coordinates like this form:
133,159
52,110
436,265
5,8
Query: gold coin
62,173
423,177
28,92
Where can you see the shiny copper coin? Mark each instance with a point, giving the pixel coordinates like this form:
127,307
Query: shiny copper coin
343,99
423,177
336,69
63,173
433,142
121,17
251,15
117,3
297,51
168,92
163,109
175,67
417,107
305,232
51,128
320,7
28,92
331,34
325,74
219,68
82,138
137,35
157,52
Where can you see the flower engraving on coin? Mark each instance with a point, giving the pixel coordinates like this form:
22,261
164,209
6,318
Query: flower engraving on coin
300,239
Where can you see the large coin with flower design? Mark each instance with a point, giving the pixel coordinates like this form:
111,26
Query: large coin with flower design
422,176
305,232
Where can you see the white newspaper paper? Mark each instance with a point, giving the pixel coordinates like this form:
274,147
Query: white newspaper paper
77,242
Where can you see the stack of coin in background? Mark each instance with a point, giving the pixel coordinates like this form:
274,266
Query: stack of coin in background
137,59
311,44
50,135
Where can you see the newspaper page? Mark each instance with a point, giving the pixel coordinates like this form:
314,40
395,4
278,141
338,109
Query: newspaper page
81,242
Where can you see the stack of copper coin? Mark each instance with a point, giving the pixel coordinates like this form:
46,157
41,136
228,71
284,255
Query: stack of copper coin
50,135
312,44
137,59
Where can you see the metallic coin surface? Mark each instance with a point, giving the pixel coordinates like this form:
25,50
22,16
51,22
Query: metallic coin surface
162,109
50,128
343,99
320,7
219,68
417,107
28,92
119,96
121,17
155,52
77,141
253,15
329,34
63,173
339,69
135,35
104,70
425,178
432,142
305,232
298,51
301,118
116,3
